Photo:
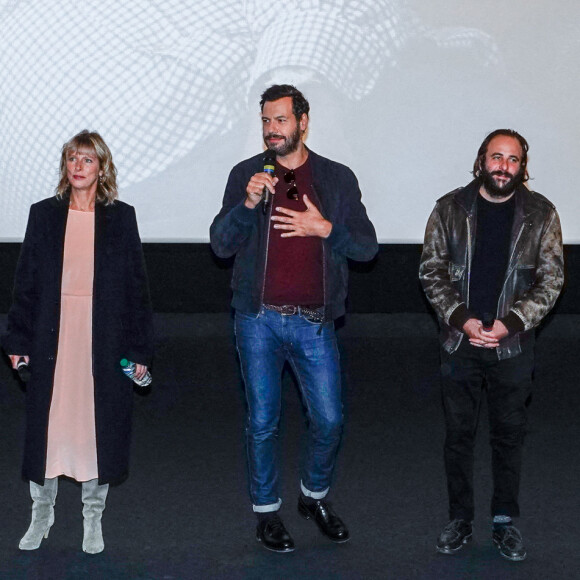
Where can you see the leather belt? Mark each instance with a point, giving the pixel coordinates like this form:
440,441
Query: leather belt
312,313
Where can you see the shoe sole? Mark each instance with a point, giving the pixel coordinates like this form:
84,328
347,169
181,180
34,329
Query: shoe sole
510,558
285,551
451,551
307,516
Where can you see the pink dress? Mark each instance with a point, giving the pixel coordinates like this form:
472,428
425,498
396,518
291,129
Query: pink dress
72,447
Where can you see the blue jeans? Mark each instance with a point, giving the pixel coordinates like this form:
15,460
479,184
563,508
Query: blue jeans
264,342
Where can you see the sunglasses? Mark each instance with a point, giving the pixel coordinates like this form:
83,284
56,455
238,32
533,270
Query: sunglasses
292,192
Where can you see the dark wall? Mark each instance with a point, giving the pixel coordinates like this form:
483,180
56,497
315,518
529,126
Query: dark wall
189,278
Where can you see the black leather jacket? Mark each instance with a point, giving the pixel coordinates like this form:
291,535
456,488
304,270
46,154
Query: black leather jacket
244,232
535,272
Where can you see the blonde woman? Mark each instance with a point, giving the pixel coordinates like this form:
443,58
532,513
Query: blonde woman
81,303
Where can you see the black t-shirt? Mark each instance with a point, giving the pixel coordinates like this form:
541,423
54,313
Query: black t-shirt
491,256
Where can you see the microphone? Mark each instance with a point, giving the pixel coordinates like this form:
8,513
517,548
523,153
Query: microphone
23,370
487,320
269,167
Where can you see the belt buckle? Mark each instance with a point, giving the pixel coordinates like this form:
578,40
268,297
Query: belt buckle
288,310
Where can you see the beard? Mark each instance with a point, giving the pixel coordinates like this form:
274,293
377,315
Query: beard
499,191
289,145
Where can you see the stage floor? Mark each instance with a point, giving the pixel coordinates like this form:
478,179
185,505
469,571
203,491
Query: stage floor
184,511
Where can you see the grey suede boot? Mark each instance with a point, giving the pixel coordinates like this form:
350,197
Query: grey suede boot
43,498
94,496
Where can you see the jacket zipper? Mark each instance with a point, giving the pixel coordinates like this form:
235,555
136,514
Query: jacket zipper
468,269
268,225
511,267
321,210
468,258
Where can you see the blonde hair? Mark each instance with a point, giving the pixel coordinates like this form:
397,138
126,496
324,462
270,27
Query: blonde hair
90,142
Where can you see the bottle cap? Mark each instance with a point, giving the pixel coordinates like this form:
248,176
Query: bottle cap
124,362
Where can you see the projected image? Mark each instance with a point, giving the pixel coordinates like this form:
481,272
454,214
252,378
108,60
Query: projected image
173,88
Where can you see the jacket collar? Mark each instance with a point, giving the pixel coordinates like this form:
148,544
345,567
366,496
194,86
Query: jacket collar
62,204
320,175
317,165
526,202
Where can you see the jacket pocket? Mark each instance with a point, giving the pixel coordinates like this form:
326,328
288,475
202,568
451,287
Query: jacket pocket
525,277
456,271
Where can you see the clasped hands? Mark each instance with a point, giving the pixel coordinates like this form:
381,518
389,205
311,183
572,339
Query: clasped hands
294,223
485,338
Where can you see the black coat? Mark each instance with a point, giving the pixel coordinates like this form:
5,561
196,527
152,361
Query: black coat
122,327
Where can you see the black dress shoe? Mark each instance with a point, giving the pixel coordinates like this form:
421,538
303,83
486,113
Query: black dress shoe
509,542
455,535
273,535
325,518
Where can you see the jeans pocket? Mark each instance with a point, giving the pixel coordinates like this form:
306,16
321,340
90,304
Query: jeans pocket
246,324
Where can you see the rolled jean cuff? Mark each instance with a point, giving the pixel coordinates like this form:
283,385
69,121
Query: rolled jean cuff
271,507
314,494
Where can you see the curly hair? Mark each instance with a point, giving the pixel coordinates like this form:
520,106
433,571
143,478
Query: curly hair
480,159
300,105
90,142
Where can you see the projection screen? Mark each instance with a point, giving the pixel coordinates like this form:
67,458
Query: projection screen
403,92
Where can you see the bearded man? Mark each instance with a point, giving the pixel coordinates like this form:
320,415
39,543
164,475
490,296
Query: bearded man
492,268
291,232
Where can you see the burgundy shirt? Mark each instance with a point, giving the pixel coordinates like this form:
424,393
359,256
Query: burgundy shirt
294,265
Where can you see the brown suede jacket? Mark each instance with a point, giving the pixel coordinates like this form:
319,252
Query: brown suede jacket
533,279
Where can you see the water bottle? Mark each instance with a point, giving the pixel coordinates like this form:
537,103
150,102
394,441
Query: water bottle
128,368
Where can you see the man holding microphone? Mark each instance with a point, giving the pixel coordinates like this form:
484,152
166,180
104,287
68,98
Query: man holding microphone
291,232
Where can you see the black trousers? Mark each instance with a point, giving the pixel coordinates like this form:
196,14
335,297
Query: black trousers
466,375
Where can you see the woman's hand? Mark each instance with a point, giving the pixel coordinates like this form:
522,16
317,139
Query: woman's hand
140,371
15,358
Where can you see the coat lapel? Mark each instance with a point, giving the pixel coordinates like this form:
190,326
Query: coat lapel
103,216
56,232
